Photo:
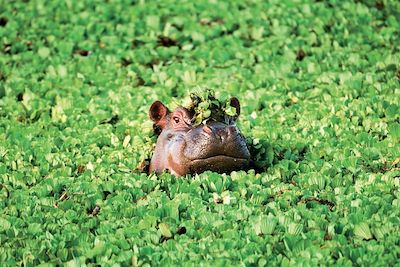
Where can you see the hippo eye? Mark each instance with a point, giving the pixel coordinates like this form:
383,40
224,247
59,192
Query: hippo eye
176,119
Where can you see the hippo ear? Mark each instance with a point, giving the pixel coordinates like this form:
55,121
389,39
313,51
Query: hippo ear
158,112
234,102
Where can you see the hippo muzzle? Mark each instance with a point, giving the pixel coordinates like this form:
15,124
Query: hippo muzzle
184,149
217,147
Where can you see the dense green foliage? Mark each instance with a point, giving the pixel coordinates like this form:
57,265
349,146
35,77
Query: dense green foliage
319,86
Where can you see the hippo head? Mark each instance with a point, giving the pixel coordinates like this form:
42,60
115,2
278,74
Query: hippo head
183,148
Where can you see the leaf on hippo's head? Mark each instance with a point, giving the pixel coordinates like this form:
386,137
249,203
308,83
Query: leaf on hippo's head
205,106
231,111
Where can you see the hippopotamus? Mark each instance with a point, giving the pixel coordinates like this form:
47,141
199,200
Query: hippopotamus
183,148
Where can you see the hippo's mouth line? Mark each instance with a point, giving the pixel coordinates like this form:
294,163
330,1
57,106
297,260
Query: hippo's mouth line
218,163
219,158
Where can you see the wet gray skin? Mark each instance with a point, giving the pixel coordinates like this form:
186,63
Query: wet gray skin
184,149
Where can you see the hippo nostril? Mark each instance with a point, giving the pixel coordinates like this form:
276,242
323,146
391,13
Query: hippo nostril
231,130
207,129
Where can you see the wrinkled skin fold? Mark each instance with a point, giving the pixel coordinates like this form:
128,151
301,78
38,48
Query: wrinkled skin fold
184,149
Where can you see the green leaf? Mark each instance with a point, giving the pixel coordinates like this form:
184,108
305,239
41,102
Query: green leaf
394,131
44,52
96,250
231,111
295,229
4,225
164,229
362,231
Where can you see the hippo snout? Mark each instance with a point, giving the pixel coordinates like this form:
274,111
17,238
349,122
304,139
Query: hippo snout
215,139
222,133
